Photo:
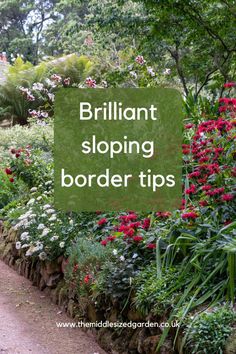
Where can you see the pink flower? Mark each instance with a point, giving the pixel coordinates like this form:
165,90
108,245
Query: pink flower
203,203
90,82
229,84
190,215
67,81
103,242
227,197
30,97
87,278
164,214
140,60
151,245
137,238
191,189
194,174
146,223
102,222
129,232
189,126
111,238
56,78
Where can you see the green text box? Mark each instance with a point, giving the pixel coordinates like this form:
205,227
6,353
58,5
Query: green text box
161,126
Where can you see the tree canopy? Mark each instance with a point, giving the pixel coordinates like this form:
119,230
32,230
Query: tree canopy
196,39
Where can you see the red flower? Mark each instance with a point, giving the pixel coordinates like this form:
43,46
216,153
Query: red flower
191,190
111,238
123,228
127,218
11,179
223,109
215,191
8,171
201,180
166,214
203,159
190,215
129,232
186,151
151,245
227,197
75,268
137,238
102,222
135,225
194,174
229,84
87,278
203,203
103,242
146,223
189,126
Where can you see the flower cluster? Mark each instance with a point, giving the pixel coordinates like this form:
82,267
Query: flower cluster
129,229
209,161
27,93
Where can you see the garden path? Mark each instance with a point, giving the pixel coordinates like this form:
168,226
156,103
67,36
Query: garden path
28,321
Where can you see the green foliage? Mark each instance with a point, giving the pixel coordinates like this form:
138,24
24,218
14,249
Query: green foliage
33,167
198,107
207,331
72,66
116,280
157,294
39,137
12,101
22,23
16,105
85,261
7,189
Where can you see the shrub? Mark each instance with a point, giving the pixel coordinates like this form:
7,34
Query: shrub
86,258
157,293
11,100
37,136
206,333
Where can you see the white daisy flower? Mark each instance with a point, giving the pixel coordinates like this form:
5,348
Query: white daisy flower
40,227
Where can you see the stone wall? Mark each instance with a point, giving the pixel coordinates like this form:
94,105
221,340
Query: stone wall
48,277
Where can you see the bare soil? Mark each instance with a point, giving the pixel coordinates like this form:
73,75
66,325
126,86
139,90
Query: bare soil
28,321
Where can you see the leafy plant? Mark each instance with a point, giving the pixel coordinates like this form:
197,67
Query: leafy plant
86,258
157,294
207,331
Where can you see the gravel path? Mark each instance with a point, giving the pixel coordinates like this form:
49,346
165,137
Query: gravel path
28,321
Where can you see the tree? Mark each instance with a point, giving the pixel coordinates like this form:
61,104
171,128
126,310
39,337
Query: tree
196,38
198,35
21,26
